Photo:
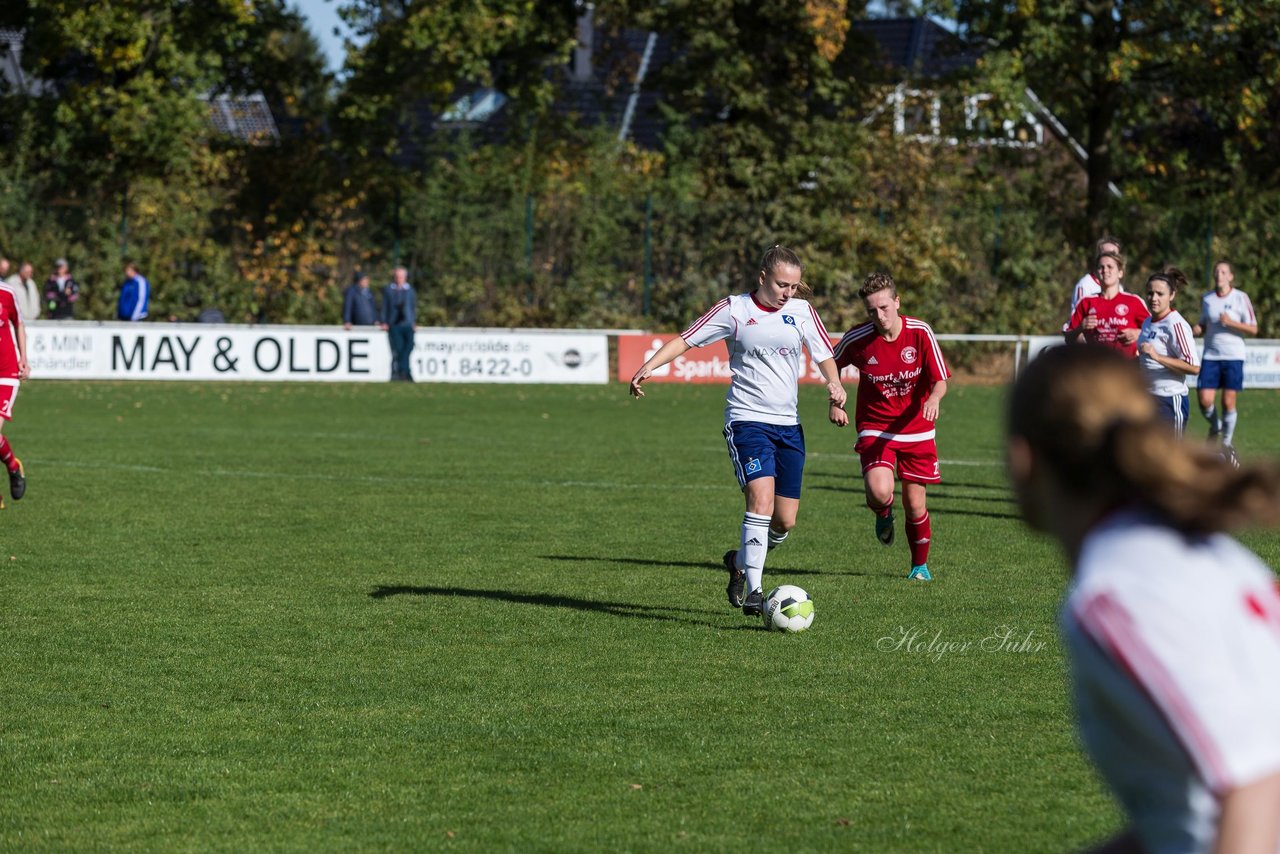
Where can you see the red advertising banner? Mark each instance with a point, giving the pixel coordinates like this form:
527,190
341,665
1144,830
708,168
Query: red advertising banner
708,364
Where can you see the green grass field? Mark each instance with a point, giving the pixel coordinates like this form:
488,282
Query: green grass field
282,617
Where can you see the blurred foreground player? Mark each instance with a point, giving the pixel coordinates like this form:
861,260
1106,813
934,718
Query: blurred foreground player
1171,627
13,369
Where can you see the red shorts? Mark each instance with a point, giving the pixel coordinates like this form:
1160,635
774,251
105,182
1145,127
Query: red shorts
915,462
8,394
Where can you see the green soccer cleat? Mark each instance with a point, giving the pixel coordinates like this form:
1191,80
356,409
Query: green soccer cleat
884,529
737,578
920,573
18,482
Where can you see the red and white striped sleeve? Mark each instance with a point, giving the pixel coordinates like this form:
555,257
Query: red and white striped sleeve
929,346
1207,689
1250,317
713,326
1185,342
816,338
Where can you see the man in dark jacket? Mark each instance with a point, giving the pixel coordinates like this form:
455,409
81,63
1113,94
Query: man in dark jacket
399,317
358,306
61,292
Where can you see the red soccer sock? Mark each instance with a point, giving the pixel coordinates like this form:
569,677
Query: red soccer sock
6,455
918,533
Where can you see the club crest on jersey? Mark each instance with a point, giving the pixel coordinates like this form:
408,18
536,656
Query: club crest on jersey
1122,310
909,354
753,466
789,320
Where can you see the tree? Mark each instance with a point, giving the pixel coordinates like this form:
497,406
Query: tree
1107,67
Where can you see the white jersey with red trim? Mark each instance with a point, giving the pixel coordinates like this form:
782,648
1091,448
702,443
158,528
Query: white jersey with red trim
1174,643
10,317
895,378
1171,337
1221,343
764,354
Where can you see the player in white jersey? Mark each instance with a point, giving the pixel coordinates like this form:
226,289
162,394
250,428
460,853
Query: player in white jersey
1171,627
1166,348
766,330
1226,316
1089,285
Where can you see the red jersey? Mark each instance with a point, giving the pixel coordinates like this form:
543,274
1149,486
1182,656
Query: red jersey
896,378
10,317
1123,311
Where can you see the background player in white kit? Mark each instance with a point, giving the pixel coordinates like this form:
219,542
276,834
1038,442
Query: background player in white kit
1166,348
765,331
903,378
1226,316
1172,628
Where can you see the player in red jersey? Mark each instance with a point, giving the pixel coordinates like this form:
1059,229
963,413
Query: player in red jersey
13,369
1112,318
903,378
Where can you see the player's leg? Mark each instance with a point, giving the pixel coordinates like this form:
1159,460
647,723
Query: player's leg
879,461
918,528
789,464
918,467
1207,392
751,450
17,475
1232,383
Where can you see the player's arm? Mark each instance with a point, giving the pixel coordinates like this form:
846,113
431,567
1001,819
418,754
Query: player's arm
1074,333
20,335
670,351
1173,363
1250,818
1238,326
836,395
929,409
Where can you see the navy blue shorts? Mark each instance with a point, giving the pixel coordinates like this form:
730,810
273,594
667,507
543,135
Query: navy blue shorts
1221,373
1175,409
767,450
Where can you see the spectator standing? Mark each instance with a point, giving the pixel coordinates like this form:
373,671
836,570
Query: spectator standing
61,292
135,294
358,305
399,317
25,291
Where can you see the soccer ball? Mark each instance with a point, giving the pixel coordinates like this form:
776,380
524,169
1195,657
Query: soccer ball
787,608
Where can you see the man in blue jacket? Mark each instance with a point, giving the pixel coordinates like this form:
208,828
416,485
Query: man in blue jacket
399,316
358,306
135,294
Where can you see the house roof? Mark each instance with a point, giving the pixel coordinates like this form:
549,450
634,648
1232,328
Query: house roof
918,47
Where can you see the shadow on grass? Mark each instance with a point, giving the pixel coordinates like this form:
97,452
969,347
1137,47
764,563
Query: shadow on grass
556,600
696,564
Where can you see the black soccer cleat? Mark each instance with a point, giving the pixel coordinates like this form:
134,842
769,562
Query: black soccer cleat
754,606
17,482
884,529
737,578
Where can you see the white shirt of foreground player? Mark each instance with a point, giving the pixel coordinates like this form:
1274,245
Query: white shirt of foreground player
764,354
1174,645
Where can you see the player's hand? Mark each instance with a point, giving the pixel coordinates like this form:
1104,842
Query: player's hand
24,370
838,416
1147,349
641,376
929,409
837,395
1090,322
1225,318
1128,336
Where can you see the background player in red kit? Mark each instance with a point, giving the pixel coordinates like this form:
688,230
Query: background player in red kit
1113,318
903,378
13,369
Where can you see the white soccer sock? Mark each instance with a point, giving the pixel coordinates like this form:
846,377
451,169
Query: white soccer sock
755,539
776,539
1228,426
1211,415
